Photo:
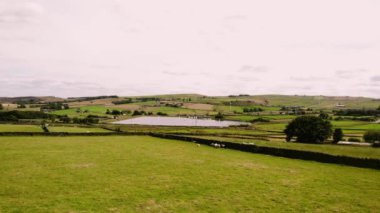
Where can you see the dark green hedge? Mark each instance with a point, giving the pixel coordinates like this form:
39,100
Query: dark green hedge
288,153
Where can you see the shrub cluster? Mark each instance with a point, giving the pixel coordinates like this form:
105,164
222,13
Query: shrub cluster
338,135
254,109
354,140
17,115
219,116
55,106
371,136
87,120
126,101
137,112
358,112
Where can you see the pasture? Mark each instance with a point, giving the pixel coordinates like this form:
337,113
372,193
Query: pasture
20,128
52,128
145,174
99,110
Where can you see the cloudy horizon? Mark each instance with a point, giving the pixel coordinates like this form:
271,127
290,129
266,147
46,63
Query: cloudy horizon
119,47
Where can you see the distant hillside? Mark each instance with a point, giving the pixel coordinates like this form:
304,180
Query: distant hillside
30,99
320,102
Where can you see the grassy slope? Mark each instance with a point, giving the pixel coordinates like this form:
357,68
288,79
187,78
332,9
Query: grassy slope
144,174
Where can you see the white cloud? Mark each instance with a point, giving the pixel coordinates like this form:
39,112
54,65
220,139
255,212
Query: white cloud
216,47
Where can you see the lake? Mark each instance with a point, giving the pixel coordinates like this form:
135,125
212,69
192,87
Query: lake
178,121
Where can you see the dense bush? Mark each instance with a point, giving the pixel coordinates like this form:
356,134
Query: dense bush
88,120
146,99
254,109
356,118
324,115
338,135
21,106
371,136
354,140
126,101
162,114
93,98
55,106
65,119
17,115
358,112
219,116
116,112
136,113
369,119
308,129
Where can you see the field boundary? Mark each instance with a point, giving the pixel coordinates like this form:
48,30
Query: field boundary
274,151
282,152
71,133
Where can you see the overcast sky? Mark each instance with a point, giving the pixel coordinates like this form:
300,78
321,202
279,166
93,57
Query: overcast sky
213,47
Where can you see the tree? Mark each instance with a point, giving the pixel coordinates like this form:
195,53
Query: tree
116,112
324,115
308,129
338,135
1,107
371,136
21,106
219,116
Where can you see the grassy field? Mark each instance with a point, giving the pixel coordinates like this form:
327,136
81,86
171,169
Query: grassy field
144,174
92,110
20,128
37,128
74,129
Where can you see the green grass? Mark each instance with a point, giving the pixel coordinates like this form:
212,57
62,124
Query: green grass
74,129
355,127
20,128
92,110
37,128
144,174
279,127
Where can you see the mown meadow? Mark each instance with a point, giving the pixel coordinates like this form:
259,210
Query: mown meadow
145,174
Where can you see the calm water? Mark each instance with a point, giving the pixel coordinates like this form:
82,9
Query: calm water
178,121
